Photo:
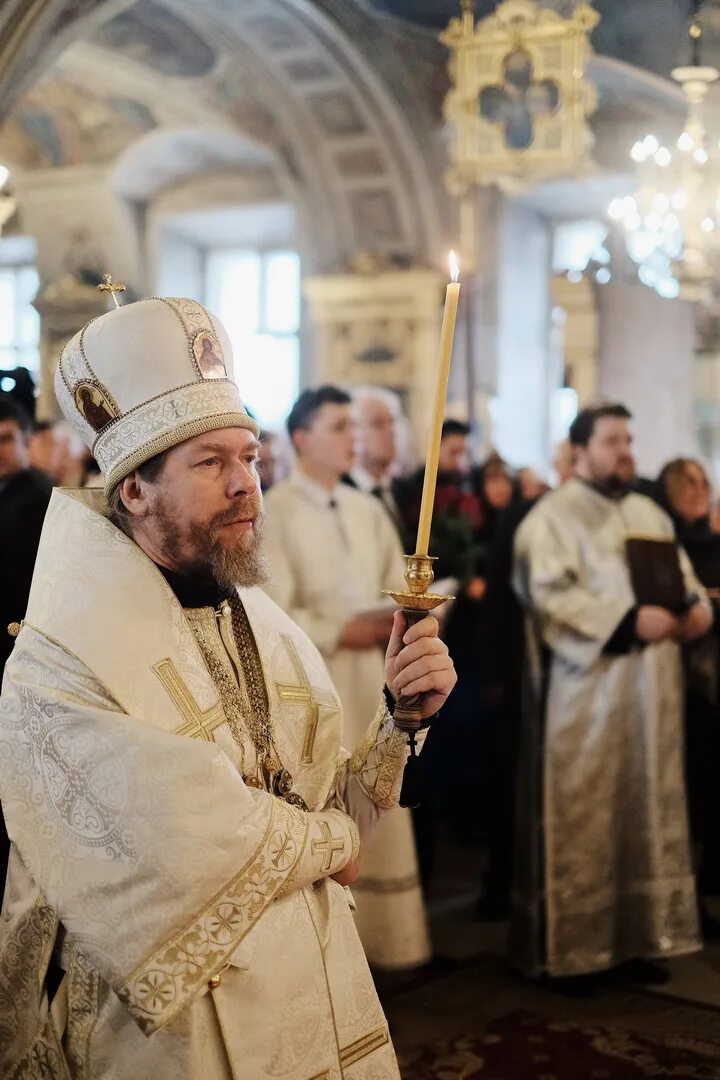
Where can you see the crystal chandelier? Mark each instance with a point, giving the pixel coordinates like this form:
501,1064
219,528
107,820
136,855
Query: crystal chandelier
672,223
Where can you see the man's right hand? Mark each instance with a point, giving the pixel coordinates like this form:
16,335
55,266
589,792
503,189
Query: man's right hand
655,624
367,629
349,874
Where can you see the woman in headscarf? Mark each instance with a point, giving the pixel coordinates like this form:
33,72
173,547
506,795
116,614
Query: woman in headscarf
684,492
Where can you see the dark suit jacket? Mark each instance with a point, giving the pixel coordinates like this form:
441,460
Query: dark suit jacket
23,502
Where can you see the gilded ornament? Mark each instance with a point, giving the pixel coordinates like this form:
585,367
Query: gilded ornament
520,98
112,287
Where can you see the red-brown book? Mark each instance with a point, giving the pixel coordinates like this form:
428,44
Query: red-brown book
655,573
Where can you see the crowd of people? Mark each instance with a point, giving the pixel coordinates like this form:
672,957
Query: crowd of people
578,750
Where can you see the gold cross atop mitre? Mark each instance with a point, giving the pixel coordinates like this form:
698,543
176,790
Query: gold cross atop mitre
113,287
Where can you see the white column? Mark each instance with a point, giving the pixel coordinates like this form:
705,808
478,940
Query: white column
526,371
647,362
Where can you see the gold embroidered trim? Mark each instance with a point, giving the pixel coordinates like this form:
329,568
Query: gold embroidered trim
387,885
354,840
198,724
44,1057
260,722
76,342
83,1010
171,438
390,771
311,697
171,302
364,1046
359,757
164,983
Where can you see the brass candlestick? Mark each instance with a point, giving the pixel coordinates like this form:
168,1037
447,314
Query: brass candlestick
415,603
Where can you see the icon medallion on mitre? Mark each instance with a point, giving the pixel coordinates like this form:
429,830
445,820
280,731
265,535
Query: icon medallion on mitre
209,356
95,404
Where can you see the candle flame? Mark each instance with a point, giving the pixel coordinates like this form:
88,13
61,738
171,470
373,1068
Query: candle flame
454,267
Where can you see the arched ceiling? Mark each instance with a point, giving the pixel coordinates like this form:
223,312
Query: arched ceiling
292,80
340,100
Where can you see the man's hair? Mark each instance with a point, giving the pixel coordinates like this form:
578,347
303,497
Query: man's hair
118,513
583,426
389,398
310,402
455,427
11,410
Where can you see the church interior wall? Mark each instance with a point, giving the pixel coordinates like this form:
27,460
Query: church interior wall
647,361
196,112
55,205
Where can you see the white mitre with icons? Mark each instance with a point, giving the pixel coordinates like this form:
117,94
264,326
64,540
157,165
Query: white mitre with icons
145,377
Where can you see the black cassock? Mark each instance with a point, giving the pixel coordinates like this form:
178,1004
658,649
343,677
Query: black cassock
24,499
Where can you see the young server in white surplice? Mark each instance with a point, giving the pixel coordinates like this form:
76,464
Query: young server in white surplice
330,555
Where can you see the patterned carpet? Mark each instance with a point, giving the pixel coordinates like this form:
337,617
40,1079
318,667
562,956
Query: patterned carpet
523,1045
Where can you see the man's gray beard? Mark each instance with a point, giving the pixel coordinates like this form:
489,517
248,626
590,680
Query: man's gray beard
229,567
244,566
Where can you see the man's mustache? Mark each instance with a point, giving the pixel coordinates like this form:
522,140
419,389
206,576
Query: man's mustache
249,509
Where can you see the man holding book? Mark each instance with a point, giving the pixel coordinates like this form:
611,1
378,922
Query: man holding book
604,869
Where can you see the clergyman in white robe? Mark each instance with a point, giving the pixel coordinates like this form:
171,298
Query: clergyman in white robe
189,910
330,554
604,870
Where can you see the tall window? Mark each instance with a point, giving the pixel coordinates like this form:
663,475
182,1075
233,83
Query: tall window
257,297
19,321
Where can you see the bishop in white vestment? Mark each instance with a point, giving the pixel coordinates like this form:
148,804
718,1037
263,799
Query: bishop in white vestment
181,811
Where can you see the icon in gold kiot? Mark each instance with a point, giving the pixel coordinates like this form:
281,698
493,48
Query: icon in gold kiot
95,404
209,356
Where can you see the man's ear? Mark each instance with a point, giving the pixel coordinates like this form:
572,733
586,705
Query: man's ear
297,440
133,493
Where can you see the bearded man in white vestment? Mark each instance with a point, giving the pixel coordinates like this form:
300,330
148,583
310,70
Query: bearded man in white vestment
604,865
183,817
331,551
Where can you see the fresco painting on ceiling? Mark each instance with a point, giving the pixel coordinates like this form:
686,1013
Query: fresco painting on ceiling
233,97
363,161
375,217
276,33
336,113
153,36
308,70
60,123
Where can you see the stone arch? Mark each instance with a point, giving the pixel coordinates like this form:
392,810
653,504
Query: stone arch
343,150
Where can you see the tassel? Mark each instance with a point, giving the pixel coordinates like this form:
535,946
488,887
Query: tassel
411,794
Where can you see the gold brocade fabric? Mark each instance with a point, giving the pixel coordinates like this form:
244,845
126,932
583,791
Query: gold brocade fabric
200,926
228,647
604,863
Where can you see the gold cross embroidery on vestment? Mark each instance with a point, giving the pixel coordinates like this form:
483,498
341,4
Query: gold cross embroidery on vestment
311,697
330,844
199,723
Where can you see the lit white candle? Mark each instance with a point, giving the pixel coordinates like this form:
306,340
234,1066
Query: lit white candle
452,296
